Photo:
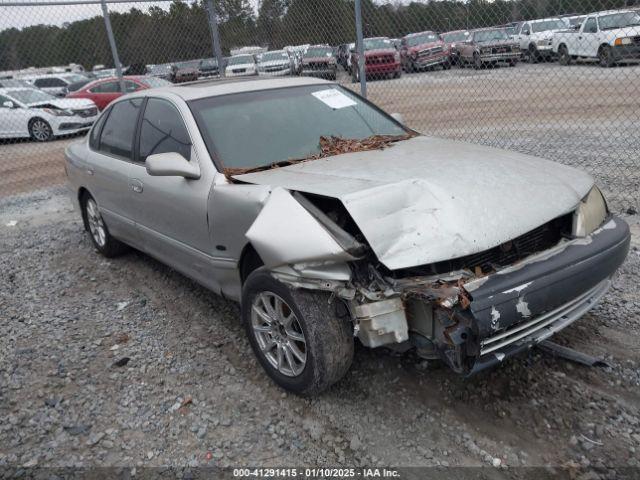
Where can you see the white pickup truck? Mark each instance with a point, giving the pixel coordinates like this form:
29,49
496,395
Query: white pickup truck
609,37
536,36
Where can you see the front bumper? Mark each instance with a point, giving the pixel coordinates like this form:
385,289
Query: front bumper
69,125
324,72
275,73
424,62
382,68
626,52
500,57
521,306
513,309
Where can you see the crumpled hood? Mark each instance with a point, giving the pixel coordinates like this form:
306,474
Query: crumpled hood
66,103
429,199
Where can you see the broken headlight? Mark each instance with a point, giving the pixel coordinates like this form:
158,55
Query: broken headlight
590,214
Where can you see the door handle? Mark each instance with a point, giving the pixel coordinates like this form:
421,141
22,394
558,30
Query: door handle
136,185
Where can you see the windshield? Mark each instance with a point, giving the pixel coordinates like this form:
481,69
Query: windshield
319,52
74,78
241,60
284,124
455,37
270,56
208,63
422,38
30,95
490,35
547,25
377,43
160,69
619,20
154,82
188,64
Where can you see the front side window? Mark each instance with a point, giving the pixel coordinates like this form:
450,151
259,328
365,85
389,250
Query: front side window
591,26
49,82
256,129
163,130
526,29
119,129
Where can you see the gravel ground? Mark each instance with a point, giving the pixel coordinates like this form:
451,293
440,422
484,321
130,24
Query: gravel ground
125,362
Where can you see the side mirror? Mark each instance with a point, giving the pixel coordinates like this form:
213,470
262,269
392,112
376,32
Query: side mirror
171,164
398,118
9,104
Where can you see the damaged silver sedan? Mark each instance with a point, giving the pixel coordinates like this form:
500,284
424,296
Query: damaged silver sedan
328,220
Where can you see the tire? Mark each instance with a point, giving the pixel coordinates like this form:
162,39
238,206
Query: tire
605,57
513,63
316,345
534,56
446,65
40,130
397,74
477,61
102,240
563,55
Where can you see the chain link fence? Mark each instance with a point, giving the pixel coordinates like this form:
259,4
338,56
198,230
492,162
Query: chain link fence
559,79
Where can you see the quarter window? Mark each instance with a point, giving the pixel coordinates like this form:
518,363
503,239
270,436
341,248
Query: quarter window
163,130
94,136
119,128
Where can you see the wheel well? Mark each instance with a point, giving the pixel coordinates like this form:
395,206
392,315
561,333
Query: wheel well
249,261
603,46
31,120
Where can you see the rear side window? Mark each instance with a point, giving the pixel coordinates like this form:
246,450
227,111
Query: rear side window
94,136
119,129
49,82
106,87
162,130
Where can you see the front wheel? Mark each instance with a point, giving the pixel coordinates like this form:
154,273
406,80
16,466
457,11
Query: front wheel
446,65
303,339
40,130
605,57
534,55
477,61
563,55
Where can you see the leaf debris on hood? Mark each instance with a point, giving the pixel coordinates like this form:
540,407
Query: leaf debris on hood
329,146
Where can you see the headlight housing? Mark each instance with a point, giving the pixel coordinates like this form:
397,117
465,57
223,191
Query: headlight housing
59,113
623,41
590,214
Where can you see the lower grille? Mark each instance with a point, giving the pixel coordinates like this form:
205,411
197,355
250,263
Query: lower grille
428,52
380,59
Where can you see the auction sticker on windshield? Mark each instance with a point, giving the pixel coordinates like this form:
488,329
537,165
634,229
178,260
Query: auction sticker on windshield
334,98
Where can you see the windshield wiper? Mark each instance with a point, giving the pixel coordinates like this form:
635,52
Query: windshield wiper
329,146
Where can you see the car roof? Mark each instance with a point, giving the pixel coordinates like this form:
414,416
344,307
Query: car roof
543,19
610,12
217,87
455,31
416,34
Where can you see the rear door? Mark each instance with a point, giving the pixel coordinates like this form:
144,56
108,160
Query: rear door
171,211
111,145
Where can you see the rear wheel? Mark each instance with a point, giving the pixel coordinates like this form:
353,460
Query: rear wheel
298,336
563,55
40,130
446,65
98,231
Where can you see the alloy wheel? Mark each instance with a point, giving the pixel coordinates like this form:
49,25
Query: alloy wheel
41,130
96,224
279,334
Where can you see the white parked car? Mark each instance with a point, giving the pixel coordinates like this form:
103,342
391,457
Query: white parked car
29,112
609,37
55,84
536,37
241,65
275,63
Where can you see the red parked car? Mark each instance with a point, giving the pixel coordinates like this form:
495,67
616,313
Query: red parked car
380,59
424,50
106,90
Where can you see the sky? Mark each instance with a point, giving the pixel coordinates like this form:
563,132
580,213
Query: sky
20,17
